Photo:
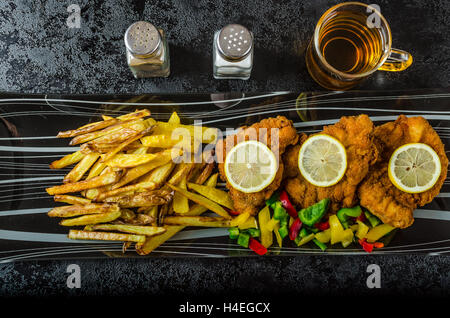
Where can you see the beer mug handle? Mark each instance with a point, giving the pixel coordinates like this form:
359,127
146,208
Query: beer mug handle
397,61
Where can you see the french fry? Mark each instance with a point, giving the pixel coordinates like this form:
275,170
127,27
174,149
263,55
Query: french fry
96,169
182,170
142,199
70,199
91,194
92,219
213,194
133,229
87,128
127,215
142,219
122,160
203,221
207,135
108,142
195,171
180,202
204,175
161,141
136,124
212,180
67,160
80,169
202,201
124,144
78,209
139,151
105,117
152,243
95,182
105,236
136,114
138,187
163,157
174,119
158,175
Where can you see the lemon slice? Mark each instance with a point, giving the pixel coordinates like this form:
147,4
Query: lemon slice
414,168
322,160
250,166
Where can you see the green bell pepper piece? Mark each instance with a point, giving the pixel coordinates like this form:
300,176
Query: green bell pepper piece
254,232
303,232
344,213
373,220
243,239
312,214
280,213
234,232
313,229
283,231
274,198
322,246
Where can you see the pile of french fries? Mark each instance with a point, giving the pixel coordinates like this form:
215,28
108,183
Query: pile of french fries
125,185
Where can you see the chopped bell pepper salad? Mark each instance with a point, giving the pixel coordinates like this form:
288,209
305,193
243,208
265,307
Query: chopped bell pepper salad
312,224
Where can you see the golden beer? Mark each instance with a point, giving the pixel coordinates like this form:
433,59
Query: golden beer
351,41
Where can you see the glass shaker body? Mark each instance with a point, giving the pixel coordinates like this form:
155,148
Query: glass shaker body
147,51
233,53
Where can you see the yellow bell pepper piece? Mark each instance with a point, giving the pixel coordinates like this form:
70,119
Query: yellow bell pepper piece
306,239
291,220
378,232
240,219
249,224
174,119
266,233
324,236
346,236
272,224
277,234
336,229
354,227
362,230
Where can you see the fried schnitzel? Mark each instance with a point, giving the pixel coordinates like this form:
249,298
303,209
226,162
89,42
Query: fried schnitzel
356,135
378,194
277,133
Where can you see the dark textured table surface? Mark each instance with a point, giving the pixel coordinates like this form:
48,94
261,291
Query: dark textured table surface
40,54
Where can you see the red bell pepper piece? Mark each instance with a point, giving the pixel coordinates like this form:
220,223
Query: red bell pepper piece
233,213
286,203
361,217
368,247
295,229
378,244
322,226
257,247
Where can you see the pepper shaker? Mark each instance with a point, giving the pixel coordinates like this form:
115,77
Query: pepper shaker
233,52
147,50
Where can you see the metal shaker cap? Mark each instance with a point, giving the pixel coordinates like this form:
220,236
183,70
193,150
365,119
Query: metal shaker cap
234,41
142,38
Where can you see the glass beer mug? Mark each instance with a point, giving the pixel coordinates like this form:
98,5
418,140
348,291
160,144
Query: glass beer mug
351,41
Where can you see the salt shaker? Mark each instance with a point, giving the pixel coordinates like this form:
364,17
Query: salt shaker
233,52
147,50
